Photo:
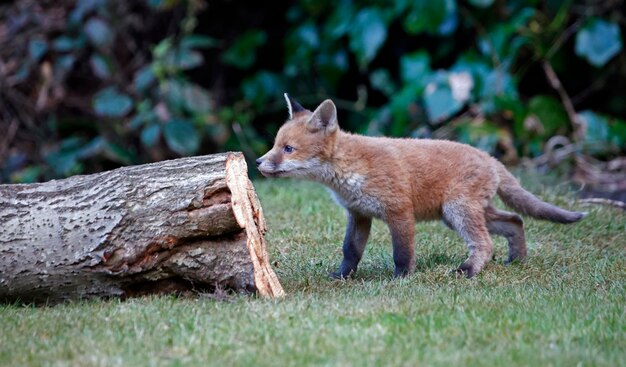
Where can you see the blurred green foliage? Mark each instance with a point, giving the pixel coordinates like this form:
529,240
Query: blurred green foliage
88,85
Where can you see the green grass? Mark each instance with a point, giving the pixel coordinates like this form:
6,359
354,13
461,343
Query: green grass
565,306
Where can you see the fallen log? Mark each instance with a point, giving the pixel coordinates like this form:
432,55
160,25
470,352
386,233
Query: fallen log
185,224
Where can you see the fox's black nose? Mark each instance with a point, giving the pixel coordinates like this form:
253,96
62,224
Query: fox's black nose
258,162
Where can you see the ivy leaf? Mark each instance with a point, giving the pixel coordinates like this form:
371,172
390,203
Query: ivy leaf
242,53
550,113
197,99
100,66
183,58
481,3
367,35
37,48
65,43
597,126
338,23
198,41
262,86
598,41
143,78
429,16
109,102
99,33
415,67
119,154
441,100
381,80
150,134
181,137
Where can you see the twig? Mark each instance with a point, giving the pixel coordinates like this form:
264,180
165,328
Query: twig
577,124
563,38
6,142
601,201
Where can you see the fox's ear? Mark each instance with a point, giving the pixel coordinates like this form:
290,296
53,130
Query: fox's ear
293,106
324,117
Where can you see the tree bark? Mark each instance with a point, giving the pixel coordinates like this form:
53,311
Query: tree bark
185,224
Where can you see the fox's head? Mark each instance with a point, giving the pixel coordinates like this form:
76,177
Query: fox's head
303,144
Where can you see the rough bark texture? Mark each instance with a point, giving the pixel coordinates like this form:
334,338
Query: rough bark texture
185,224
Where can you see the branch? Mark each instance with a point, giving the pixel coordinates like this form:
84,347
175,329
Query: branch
578,124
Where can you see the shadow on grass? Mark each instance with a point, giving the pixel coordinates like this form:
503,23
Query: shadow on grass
424,263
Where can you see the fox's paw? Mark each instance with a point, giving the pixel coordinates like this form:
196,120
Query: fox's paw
339,275
467,269
401,272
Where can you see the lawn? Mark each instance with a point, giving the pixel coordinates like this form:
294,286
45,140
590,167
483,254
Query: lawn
565,306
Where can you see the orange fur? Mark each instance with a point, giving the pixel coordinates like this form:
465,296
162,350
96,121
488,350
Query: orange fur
401,181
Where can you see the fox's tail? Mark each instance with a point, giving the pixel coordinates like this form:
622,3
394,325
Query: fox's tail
524,202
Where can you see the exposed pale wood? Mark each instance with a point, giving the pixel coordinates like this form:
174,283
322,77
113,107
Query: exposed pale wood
186,224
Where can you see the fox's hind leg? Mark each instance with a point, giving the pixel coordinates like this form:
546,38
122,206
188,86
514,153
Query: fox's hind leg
402,230
468,220
357,233
510,226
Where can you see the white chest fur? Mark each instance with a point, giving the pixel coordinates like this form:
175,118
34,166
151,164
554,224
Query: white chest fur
348,191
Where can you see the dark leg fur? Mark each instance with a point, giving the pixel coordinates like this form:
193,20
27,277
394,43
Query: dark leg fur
468,220
402,237
357,233
510,226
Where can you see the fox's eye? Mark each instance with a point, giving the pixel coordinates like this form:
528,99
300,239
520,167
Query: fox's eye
288,149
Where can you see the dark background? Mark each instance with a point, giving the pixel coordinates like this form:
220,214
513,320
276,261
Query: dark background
92,85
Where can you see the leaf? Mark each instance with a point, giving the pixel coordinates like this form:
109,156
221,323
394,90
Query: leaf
483,135
429,16
307,36
301,49
99,33
197,99
92,148
332,66
597,127
143,78
242,53
37,48
181,137
100,66
617,133
65,43
150,135
29,174
109,102
439,103
598,41
198,41
188,96
439,99
481,3
550,113
338,24
402,105
415,67
381,80
180,58
119,154
478,69
497,84
63,65
82,8
262,86
64,161
367,34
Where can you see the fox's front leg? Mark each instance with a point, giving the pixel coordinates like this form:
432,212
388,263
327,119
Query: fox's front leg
357,233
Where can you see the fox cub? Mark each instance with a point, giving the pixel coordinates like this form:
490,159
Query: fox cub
401,181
